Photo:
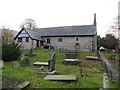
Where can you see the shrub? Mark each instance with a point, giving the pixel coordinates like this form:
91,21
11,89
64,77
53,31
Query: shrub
10,51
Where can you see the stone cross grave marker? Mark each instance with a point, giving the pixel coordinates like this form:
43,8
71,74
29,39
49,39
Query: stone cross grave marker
51,62
15,64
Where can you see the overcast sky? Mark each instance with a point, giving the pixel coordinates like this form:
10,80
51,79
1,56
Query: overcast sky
53,13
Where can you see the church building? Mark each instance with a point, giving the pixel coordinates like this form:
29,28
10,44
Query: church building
78,37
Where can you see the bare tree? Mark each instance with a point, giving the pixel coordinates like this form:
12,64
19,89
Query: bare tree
7,35
115,27
28,24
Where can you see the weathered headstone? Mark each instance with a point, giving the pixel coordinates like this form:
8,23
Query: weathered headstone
22,57
51,63
40,64
71,58
61,77
1,64
42,68
26,62
92,58
14,83
30,53
15,64
22,64
71,55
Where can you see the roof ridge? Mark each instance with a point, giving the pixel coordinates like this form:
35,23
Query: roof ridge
65,26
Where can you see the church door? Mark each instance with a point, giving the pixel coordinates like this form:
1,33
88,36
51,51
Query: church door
37,44
77,46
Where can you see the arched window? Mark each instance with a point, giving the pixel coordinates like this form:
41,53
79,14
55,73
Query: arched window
77,38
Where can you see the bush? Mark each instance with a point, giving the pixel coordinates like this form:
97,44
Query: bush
10,51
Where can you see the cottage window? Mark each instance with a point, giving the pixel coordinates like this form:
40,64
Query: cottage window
19,39
60,40
27,39
77,39
48,40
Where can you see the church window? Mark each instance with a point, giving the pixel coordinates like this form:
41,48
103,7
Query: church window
77,39
19,39
27,39
60,40
48,40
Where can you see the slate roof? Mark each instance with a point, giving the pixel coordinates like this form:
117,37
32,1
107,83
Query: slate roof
38,33
66,31
34,35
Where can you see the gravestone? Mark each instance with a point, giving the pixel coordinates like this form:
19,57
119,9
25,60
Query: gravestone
22,57
40,64
13,83
15,64
26,62
60,77
30,53
1,64
71,58
42,68
51,63
63,50
22,64
92,58
71,55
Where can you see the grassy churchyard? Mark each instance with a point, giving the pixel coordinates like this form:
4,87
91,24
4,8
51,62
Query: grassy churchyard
92,72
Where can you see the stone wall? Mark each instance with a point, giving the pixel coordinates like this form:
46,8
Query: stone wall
26,45
85,43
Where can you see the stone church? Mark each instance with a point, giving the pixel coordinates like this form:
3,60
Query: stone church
79,37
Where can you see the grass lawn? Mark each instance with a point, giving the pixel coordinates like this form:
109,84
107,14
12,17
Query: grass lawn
93,75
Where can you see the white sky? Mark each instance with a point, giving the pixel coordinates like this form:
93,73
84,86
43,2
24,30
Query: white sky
52,13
